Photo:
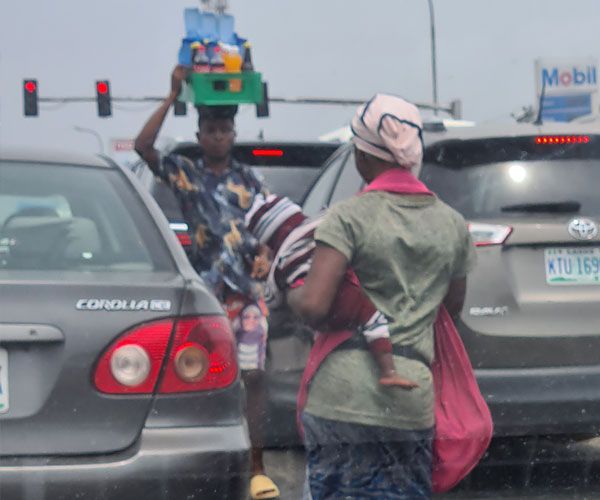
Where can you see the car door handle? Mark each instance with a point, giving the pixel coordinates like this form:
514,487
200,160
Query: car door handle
19,332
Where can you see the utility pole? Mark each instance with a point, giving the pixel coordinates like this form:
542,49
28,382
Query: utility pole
433,57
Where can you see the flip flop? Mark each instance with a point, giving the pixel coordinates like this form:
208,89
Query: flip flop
261,488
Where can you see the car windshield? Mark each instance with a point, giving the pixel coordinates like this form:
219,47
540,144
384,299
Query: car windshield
65,217
490,190
230,232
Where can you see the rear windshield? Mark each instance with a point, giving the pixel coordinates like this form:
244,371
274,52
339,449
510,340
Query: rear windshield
55,217
287,169
488,190
292,182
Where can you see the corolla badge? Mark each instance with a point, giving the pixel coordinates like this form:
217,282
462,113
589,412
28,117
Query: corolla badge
123,305
583,229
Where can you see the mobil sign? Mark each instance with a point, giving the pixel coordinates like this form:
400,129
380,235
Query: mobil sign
569,87
560,77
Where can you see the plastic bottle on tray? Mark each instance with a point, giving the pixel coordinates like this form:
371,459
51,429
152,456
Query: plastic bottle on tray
247,63
216,61
232,60
200,62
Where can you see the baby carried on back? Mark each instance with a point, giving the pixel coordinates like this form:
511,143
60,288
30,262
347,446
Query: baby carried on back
280,225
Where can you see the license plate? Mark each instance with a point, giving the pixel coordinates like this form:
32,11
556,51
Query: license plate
572,266
3,381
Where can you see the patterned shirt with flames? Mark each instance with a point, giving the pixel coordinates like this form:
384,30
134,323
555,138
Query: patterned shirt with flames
214,207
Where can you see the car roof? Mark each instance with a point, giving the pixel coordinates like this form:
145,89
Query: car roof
296,152
508,130
189,145
52,156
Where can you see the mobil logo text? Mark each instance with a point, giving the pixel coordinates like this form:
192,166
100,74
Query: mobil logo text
570,77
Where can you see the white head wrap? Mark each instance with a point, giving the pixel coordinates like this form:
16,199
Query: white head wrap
389,128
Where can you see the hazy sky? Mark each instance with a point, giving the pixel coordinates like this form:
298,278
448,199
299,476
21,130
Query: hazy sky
325,48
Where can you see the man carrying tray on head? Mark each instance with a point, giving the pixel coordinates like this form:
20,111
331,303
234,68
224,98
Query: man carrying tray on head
214,194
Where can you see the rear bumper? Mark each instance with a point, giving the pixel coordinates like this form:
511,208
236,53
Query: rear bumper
194,462
531,401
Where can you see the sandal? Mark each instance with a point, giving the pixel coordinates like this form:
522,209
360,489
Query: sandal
261,488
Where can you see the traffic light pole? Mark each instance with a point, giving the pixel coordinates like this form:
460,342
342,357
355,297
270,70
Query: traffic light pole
454,109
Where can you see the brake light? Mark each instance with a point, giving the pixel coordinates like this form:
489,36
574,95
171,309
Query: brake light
488,234
181,231
132,363
562,139
203,356
184,239
268,152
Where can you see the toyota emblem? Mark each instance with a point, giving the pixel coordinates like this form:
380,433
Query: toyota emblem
583,229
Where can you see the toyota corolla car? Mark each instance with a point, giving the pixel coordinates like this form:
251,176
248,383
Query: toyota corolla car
118,374
531,321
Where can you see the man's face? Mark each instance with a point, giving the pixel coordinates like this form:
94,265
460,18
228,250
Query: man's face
216,138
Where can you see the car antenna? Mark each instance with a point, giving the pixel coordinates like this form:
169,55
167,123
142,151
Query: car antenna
538,120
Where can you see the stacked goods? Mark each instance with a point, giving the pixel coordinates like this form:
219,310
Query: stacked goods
220,62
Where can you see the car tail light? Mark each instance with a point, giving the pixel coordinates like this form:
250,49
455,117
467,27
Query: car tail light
184,239
132,363
191,362
488,234
562,139
203,356
273,153
181,231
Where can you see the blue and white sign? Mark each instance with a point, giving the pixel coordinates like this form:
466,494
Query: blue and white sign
565,108
570,88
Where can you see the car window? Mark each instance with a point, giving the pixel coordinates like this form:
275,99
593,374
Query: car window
318,197
494,189
292,182
71,218
349,182
507,98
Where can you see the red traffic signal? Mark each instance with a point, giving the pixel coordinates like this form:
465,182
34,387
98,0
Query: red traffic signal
102,87
30,86
103,98
30,97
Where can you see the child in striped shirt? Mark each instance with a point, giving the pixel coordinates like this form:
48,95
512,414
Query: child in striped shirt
283,231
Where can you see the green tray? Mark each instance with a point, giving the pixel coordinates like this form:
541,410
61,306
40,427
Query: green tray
224,88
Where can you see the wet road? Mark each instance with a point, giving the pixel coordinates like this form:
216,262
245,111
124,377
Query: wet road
543,468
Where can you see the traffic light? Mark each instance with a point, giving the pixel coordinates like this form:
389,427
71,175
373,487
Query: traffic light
103,98
30,97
